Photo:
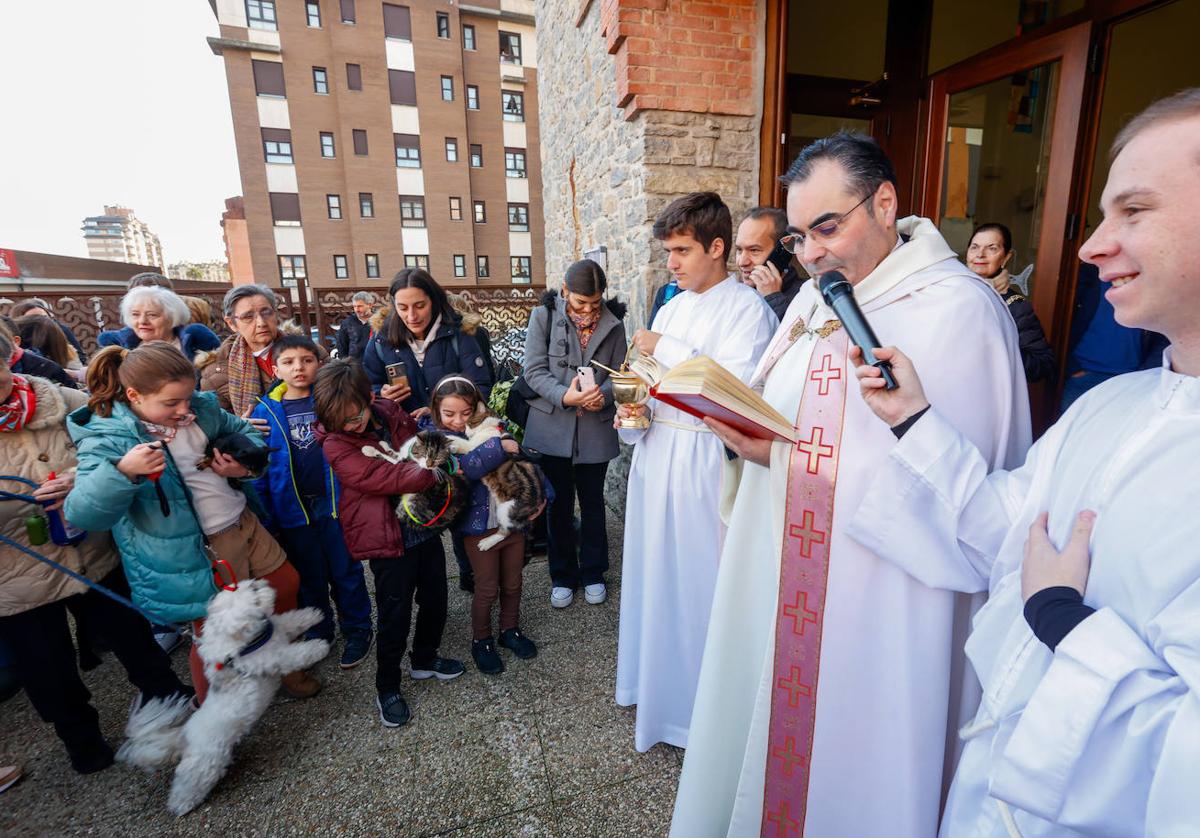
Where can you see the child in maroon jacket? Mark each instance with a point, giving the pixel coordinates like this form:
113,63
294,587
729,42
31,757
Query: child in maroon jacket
349,420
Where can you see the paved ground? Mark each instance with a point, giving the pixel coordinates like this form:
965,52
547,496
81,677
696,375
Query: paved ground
541,750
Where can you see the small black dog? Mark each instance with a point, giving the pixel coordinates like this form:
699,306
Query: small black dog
241,448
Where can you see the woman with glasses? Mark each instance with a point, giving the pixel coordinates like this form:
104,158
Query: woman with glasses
571,421
242,367
989,254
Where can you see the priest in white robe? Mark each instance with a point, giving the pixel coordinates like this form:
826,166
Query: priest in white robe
672,529
1090,719
829,673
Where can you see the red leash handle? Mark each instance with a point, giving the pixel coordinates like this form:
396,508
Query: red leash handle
217,565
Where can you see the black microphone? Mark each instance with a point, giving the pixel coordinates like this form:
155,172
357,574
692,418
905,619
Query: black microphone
839,296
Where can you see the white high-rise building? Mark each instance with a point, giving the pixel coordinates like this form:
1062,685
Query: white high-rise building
119,236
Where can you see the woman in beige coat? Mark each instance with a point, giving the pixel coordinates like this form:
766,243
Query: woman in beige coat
34,596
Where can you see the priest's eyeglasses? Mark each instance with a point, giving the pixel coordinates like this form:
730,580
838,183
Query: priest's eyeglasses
795,241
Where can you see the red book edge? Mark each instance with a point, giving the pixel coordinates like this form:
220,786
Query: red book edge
718,412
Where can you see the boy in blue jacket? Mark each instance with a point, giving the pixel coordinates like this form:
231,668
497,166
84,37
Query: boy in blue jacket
300,494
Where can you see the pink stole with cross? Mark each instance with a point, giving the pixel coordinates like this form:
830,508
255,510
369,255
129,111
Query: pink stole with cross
803,573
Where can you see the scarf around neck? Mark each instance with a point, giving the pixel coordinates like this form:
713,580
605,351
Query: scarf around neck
585,325
245,382
165,432
19,407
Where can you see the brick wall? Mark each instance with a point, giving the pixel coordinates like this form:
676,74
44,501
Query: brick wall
681,55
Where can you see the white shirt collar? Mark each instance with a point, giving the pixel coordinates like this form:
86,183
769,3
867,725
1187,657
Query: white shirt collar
1177,392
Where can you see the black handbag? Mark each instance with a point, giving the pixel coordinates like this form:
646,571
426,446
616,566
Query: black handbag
516,407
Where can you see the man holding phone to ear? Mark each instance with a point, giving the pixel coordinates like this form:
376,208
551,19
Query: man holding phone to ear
762,262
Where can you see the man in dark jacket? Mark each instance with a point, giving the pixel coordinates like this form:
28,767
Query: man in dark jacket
758,235
355,331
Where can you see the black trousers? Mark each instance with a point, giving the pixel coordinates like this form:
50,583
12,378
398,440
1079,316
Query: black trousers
587,481
420,572
44,658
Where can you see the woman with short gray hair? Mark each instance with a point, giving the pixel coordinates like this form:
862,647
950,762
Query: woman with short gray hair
242,367
151,312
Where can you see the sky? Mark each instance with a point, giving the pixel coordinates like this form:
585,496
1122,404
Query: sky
119,102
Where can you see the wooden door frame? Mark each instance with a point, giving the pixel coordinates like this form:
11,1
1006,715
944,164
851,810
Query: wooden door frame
1071,48
770,140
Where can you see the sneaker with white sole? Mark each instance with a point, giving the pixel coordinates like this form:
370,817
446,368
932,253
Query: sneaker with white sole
393,709
169,640
561,597
595,594
444,669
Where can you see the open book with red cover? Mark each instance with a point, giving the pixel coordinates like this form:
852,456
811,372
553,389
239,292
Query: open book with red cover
702,387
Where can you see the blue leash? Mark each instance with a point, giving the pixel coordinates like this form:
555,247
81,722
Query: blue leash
78,577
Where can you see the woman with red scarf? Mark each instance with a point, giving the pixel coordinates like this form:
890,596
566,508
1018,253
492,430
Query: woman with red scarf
571,423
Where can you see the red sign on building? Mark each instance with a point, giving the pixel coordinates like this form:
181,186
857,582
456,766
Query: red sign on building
8,264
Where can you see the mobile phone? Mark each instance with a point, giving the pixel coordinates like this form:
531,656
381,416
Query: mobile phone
397,373
587,378
780,258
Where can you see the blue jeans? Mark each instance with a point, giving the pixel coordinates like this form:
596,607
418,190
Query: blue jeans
1076,386
319,554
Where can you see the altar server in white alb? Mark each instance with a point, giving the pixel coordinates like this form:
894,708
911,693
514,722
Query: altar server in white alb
826,690
1090,719
672,531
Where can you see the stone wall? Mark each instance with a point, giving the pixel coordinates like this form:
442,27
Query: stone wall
618,146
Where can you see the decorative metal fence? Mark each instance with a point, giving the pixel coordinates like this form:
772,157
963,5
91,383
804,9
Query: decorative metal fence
504,311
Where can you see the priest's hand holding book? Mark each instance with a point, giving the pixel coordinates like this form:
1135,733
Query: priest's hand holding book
892,406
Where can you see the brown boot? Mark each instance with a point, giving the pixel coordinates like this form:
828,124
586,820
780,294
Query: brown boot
300,684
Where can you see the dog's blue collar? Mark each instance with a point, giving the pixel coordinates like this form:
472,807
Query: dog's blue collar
259,641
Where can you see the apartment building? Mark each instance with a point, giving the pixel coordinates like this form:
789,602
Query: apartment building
373,136
120,236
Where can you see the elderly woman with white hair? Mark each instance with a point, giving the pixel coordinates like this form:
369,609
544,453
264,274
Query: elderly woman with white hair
151,312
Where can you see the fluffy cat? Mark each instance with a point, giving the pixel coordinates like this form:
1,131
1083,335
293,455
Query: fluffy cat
437,507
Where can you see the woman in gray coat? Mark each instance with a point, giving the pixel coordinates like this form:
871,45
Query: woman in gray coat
571,422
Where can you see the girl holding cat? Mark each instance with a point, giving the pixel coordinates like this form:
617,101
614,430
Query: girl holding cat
456,404
139,439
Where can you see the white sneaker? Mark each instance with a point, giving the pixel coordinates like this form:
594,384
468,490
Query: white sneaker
561,597
169,640
595,594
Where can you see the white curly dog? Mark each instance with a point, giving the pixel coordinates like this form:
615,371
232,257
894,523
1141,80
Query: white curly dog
246,650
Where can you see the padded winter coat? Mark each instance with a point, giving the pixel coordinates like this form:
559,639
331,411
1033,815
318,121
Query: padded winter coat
194,338
41,447
454,349
164,557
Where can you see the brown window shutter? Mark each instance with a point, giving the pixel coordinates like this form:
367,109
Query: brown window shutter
403,87
285,206
268,78
397,22
348,15
276,135
354,76
360,141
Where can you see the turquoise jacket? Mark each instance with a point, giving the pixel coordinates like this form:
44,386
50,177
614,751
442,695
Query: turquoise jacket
276,487
164,558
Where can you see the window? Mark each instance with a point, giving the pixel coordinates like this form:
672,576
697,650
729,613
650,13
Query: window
421,262
460,264
333,203
291,269
481,266
408,151
366,204
348,15
476,155
412,211
510,47
320,80
402,84
443,25
277,145
472,97
468,36
341,268
521,268
268,78
447,88
285,208
260,14
312,11
518,218
372,260
451,150
360,141
455,209
513,105
397,22
327,144
514,162
354,76
480,212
